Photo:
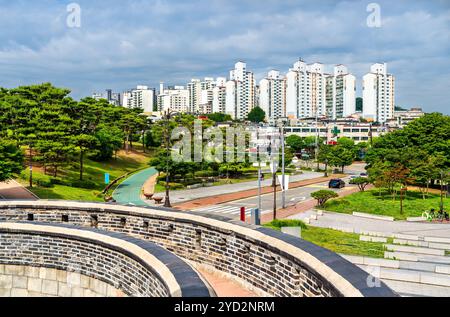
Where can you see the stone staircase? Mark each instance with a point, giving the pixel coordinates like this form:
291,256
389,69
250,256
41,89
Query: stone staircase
413,265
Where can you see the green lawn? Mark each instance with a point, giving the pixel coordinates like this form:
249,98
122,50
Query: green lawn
336,241
371,202
94,173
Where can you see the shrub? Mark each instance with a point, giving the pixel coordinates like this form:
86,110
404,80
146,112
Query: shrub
322,196
86,184
288,223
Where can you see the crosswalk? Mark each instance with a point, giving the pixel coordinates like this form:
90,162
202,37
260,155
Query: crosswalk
225,210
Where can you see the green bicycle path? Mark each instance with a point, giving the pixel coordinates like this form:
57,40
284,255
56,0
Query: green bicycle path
129,191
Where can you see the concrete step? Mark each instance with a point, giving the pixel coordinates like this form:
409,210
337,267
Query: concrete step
397,264
418,250
373,239
423,244
409,289
408,275
437,240
414,257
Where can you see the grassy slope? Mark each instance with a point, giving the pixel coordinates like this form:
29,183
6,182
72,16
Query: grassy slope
337,241
93,171
371,202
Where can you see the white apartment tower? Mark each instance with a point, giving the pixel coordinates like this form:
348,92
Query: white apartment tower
219,95
240,92
142,97
174,99
306,90
272,95
378,94
341,93
201,95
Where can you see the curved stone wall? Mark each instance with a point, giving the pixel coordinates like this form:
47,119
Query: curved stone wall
137,268
267,261
30,281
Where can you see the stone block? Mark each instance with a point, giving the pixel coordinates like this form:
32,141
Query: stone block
50,287
5,292
47,274
20,282
14,270
32,271
61,276
443,269
2,268
292,231
35,285
77,292
19,292
373,239
98,286
64,290
5,281
85,281
73,279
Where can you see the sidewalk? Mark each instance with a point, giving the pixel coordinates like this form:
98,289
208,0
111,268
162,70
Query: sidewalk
12,190
242,194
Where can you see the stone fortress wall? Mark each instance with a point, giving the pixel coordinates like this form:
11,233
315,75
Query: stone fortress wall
29,281
266,261
35,256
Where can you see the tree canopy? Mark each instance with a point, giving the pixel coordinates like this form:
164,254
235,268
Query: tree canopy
257,115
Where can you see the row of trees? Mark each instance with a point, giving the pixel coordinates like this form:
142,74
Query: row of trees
417,155
56,130
343,154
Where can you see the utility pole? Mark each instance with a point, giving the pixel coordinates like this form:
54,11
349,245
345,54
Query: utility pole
283,169
317,139
167,203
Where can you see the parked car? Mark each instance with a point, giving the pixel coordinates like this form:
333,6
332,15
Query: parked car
336,183
352,179
363,175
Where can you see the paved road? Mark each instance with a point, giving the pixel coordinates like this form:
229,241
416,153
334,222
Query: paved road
293,197
181,196
129,192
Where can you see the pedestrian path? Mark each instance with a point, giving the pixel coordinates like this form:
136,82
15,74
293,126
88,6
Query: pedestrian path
129,191
12,190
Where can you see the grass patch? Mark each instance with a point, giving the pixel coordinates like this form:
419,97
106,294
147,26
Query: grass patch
67,185
333,240
373,203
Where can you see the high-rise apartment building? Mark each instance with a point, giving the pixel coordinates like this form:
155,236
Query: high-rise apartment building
142,97
174,99
306,90
341,93
240,92
201,95
379,94
219,95
272,95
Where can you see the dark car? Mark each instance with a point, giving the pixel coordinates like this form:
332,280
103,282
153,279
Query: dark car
336,183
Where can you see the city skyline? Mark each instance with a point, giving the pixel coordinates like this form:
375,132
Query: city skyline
117,48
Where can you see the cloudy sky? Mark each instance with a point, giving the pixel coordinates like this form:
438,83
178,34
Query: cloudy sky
122,43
